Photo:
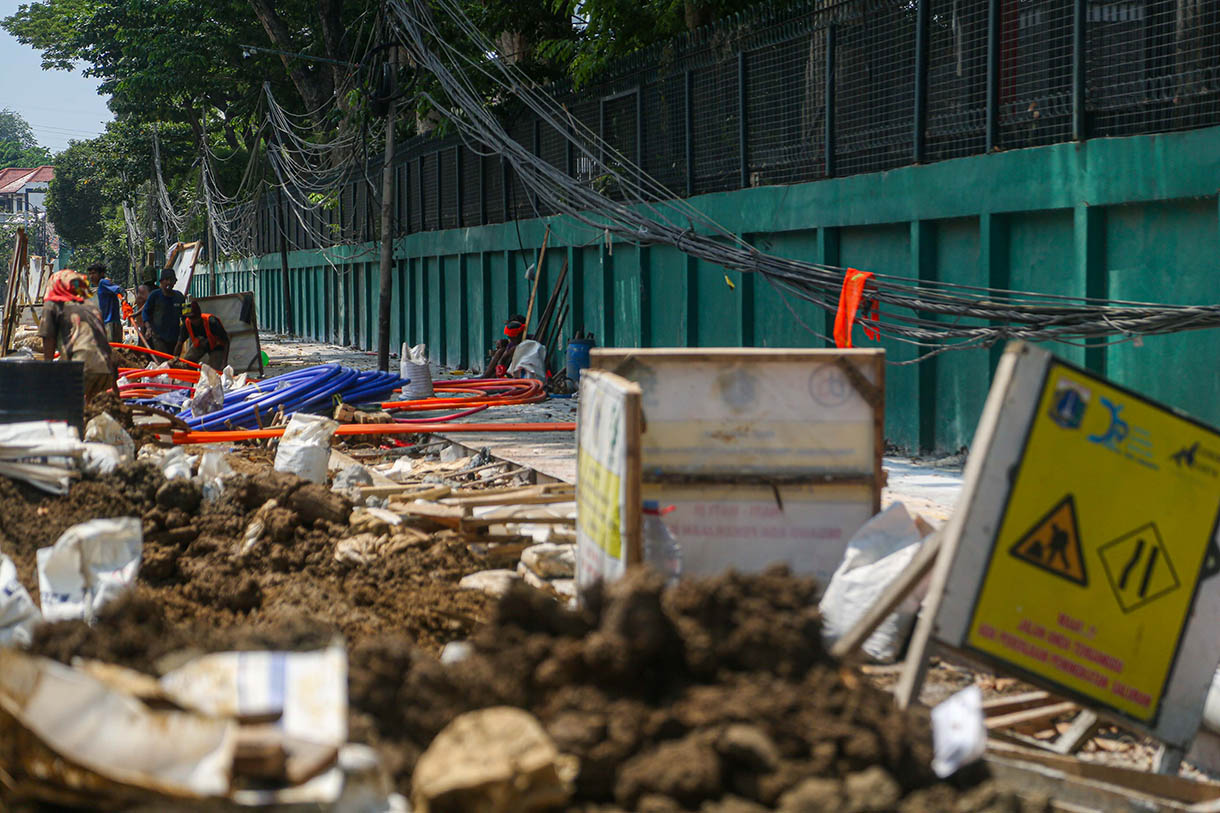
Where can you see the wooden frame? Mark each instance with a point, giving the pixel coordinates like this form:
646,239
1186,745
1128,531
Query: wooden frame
17,266
760,470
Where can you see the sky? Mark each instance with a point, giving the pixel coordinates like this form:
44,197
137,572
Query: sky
61,106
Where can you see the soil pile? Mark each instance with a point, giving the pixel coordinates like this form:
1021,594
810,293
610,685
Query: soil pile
712,696
193,569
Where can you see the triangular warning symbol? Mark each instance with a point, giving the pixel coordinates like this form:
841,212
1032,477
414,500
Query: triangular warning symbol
1053,544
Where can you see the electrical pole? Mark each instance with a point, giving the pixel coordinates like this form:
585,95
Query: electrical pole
387,223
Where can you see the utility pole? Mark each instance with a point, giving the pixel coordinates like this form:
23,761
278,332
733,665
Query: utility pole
387,222
283,218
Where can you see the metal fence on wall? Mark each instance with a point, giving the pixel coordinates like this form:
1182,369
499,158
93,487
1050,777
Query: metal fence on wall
833,90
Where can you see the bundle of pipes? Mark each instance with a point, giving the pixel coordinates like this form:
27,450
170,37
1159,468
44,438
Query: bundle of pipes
247,410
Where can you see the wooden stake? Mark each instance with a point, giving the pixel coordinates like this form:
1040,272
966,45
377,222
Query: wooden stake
529,312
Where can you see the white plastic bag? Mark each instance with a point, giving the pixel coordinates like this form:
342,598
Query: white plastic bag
413,365
529,361
102,428
875,556
959,734
100,459
305,448
90,564
230,382
42,453
209,394
18,613
174,463
213,469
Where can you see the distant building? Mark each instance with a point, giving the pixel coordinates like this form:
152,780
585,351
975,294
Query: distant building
24,189
23,199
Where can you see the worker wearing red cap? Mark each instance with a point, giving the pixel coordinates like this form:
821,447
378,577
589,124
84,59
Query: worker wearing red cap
204,337
76,330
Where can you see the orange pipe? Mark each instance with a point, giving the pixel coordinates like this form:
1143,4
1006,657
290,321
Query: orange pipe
232,436
149,351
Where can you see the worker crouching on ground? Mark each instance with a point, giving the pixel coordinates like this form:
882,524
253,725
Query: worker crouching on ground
204,337
514,331
163,314
109,296
76,329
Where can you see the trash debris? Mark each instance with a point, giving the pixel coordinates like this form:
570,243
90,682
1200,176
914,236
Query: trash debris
305,448
875,556
209,392
400,470
89,565
350,478
87,743
550,560
174,463
213,471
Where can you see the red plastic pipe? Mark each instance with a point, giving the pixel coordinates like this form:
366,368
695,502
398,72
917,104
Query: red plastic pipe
232,436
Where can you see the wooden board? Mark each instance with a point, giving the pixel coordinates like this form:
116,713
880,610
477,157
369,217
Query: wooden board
245,351
608,486
1064,464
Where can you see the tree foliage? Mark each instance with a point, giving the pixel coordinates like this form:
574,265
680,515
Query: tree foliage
18,146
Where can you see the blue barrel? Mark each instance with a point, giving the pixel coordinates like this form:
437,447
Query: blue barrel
578,357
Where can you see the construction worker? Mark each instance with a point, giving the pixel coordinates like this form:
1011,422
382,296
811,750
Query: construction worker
204,336
514,332
76,330
108,297
162,314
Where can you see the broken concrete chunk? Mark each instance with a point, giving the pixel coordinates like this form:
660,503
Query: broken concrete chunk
493,760
550,560
492,582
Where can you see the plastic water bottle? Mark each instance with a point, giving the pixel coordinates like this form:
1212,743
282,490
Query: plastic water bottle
661,549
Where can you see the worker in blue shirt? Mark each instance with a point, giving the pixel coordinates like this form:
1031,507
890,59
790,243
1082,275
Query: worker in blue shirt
163,314
108,296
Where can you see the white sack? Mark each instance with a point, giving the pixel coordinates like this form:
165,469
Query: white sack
413,366
875,556
90,564
114,735
102,428
959,734
305,448
18,613
307,689
529,361
100,459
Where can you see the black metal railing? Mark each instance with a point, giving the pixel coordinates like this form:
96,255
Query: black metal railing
832,89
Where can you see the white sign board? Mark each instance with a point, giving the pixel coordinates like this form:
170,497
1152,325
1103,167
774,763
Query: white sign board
236,313
608,478
767,455
182,259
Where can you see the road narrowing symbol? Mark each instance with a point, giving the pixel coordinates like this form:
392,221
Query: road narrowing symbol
1138,567
1053,544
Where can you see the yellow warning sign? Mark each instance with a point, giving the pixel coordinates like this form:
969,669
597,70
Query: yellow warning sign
1054,544
1109,517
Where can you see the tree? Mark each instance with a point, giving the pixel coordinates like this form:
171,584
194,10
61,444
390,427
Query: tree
18,146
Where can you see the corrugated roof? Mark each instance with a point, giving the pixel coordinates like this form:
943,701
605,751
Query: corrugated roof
13,178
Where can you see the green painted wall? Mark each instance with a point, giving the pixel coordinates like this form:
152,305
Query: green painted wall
1132,218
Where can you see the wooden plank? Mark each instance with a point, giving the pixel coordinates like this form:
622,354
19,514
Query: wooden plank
1083,728
890,598
1173,788
1016,702
470,523
407,491
1038,714
907,690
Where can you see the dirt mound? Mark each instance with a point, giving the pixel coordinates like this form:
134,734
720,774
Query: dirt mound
714,693
193,568
115,408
